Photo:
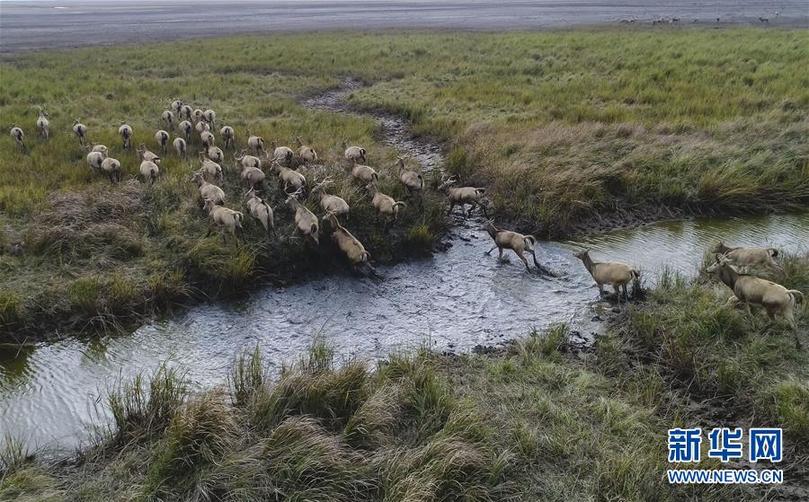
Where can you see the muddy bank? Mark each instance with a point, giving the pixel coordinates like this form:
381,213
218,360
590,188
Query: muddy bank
626,217
629,217
393,130
26,26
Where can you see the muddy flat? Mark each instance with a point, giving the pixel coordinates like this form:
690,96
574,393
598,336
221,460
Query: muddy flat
36,25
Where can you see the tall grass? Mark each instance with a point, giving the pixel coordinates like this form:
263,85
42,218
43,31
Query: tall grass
196,440
143,408
13,456
317,431
248,377
572,432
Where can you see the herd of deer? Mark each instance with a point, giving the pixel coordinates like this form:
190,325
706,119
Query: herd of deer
732,265
185,121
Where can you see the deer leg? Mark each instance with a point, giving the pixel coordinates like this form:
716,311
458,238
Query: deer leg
790,317
617,292
536,263
520,255
492,249
541,268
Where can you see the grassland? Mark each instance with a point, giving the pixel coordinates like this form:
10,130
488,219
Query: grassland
568,129
576,130
97,256
535,421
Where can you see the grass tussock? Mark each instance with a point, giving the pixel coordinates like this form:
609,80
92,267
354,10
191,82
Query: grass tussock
317,431
571,432
199,435
142,409
13,455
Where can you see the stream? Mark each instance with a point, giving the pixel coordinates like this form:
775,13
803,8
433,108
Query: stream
51,394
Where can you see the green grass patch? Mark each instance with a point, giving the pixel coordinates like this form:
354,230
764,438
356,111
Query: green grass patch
686,340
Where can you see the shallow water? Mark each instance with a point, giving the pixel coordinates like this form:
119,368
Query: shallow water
680,245
455,300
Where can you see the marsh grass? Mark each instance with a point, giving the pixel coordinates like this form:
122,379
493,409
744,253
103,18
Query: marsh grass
572,432
248,377
686,340
13,456
101,256
143,408
582,128
198,436
317,431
